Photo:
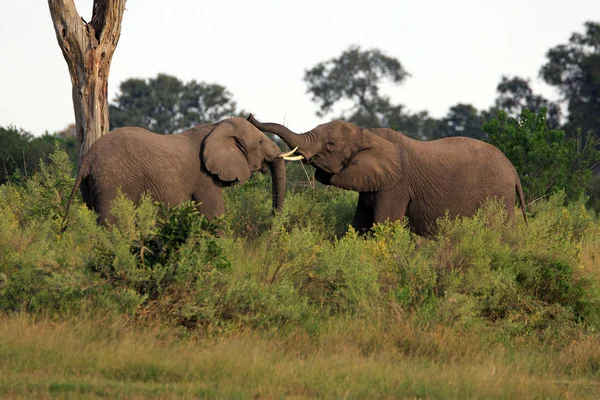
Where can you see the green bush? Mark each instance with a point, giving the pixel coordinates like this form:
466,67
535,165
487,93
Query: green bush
21,152
545,159
326,209
299,268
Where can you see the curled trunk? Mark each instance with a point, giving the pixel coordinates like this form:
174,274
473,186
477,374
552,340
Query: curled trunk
292,139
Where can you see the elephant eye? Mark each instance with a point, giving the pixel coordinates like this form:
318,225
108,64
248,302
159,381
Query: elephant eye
331,143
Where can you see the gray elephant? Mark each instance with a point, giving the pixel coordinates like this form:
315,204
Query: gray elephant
192,165
397,176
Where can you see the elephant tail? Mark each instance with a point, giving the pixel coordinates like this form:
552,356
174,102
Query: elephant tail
84,171
521,199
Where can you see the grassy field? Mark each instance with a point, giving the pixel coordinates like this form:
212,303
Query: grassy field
293,306
350,360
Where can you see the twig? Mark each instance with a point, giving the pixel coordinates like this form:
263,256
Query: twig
539,198
25,164
5,168
311,182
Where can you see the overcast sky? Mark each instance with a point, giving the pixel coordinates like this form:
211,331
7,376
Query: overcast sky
455,51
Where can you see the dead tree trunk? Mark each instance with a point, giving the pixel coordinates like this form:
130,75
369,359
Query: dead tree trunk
88,48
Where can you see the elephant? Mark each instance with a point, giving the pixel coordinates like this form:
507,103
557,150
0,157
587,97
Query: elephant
192,165
397,176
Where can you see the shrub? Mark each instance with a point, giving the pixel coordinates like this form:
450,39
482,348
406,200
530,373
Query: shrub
546,160
328,210
248,207
298,268
21,152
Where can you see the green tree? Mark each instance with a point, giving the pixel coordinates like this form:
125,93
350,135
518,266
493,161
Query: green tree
356,76
546,160
461,120
574,69
419,125
514,95
21,152
167,105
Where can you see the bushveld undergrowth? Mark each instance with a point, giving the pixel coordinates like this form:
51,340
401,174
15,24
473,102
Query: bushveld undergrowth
305,280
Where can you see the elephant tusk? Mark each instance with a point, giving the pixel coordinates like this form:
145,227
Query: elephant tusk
294,158
288,156
289,153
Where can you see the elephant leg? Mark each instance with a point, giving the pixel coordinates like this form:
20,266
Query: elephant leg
210,202
97,198
363,217
102,205
389,205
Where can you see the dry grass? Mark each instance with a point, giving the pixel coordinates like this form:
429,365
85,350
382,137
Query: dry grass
349,359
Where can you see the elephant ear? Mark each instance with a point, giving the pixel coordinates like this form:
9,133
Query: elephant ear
375,167
224,155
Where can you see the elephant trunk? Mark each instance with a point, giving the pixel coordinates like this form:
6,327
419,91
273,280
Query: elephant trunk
292,139
278,176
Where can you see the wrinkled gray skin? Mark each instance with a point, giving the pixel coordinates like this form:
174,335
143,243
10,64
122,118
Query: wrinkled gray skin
192,165
397,176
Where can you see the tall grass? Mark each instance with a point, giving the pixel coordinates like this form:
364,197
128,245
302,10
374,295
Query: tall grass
296,304
112,359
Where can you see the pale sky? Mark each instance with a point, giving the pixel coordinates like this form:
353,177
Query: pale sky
455,51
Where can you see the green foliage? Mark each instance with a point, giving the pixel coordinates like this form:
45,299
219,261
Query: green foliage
356,76
300,269
544,158
248,206
166,105
20,152
44,195
481,271
154,247
328,210
514,95
89,267
461,120
574,69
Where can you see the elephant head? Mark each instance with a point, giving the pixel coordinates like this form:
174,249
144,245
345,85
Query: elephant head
235,148
344,154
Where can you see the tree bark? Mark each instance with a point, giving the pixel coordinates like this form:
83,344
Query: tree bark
88,48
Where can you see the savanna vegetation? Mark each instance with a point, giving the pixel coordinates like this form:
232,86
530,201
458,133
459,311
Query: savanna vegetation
293,304
297,304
